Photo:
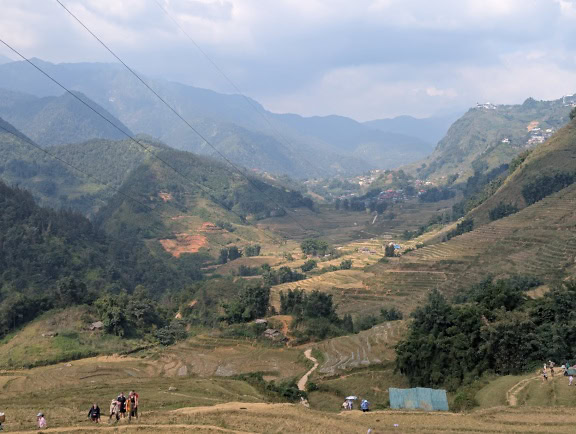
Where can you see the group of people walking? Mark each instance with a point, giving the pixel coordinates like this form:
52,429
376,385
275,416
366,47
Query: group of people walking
348,404
122,405
566,370
119,407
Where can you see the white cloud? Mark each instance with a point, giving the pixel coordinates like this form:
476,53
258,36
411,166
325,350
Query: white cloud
361,58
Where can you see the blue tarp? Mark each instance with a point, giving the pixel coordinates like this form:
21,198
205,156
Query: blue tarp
419,398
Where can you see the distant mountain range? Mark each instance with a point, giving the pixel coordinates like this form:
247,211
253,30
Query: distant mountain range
55,120
295,145
430,130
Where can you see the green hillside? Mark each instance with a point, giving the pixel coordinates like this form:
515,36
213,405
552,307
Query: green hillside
55,184
548,168
488,136
57,120
59,258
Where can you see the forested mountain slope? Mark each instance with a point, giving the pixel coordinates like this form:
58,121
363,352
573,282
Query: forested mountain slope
488,136
54,258
55,184
57,120
293,145
188,204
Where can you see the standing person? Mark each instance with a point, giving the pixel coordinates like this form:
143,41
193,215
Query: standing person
94,413
544,375
570,379
133,399
365,406
41,420
114,410
122,404
2,420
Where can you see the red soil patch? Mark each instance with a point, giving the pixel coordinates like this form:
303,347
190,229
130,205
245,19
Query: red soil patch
532,125
184,243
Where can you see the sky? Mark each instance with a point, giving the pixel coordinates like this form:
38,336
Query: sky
366,59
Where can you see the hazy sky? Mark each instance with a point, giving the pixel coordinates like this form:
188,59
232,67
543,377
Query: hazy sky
365,59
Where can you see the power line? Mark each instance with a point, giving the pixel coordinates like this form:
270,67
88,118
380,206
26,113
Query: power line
241,172
88,175
233,84
215,199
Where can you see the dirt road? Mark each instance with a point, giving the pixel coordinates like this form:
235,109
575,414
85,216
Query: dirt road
302,382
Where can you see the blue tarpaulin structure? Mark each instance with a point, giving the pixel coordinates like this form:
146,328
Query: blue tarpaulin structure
419,398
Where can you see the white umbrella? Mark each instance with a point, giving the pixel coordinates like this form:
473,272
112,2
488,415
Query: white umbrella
351,397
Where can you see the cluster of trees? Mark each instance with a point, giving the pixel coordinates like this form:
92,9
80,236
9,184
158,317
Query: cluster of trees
495,327
436,194
309,265
545,185
502,210
252,302
229,254
233,252
54,258
315,247
282,275
439,219
359,204
466,225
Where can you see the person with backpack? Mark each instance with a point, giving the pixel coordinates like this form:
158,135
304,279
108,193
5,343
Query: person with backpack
94,413
122,404
365,406
114,410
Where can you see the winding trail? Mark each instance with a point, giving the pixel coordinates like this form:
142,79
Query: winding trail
302,382
512,394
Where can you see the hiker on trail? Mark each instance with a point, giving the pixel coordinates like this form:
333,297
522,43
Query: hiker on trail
114,410
122,404
94,413
345,405
365,406
133,403
544,375
41,420
570,379
2,420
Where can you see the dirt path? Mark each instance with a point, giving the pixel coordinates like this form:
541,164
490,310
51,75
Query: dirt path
302,382
140,428
512,394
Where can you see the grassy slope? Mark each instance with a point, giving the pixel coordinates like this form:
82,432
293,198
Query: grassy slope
73,340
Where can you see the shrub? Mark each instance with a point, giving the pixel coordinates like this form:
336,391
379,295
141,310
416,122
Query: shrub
391,314
346,264
309,265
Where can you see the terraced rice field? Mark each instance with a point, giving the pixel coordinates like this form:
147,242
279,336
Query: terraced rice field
363,349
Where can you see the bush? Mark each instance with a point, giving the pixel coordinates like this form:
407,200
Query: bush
391,314
253,250
172,333
309,265
346,264
573,113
